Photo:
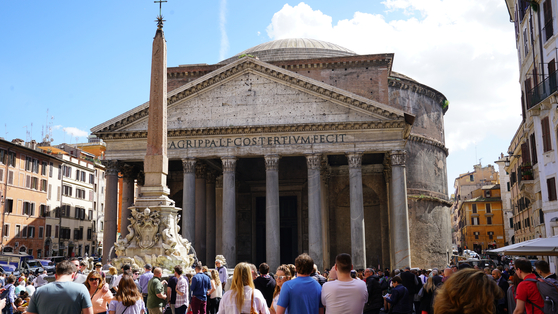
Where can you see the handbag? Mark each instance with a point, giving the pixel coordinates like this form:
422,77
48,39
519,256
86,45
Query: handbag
421,292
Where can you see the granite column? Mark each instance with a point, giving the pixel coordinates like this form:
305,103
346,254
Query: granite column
358,245
399,218
111,208
229,210
199,244
272,218
210,218
189,199
314,210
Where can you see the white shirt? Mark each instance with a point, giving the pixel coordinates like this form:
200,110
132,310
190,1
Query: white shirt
116,281
344,297
423,279
228,302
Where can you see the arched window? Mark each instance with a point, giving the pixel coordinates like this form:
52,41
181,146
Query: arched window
22,249
8,249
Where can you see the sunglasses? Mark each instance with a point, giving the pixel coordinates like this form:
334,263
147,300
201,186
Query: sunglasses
94,279
281,277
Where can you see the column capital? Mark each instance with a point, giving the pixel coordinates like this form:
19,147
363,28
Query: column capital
189,165
355,159
313,161
210,176
272,162
112,167
229,163
398,157
129,172
200,171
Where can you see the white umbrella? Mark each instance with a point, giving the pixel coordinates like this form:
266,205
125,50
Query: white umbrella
540,246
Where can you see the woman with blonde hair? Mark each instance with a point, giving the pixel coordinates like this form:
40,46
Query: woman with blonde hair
427,300
215,294
99,299
243,297
468,291
282,275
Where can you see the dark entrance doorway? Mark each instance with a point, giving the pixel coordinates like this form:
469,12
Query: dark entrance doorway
288,208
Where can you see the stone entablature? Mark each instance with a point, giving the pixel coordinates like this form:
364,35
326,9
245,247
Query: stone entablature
419,88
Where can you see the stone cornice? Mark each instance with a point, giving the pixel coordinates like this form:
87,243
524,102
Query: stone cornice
310,127
423,139
274,72
419,88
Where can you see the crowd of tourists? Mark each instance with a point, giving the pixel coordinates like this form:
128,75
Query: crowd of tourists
298,288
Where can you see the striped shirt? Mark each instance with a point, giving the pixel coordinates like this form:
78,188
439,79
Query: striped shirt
182,286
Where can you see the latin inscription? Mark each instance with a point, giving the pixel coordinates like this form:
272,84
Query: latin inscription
258,141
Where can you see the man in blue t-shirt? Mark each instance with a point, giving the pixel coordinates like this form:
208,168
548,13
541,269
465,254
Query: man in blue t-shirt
63,295
302,294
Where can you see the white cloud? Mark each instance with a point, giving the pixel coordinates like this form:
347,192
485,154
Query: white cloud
464,49
224,38
56,127
75,132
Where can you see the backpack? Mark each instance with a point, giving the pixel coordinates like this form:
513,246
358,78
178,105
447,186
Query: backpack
548,288
4,294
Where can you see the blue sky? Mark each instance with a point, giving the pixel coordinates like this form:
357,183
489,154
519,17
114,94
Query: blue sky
86,62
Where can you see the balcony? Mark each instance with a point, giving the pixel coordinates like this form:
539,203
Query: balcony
542,91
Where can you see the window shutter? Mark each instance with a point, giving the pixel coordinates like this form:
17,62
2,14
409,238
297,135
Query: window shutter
551,186
533,149
547,145
525,154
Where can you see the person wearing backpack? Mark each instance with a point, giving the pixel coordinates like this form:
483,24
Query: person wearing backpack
528,297
543,269
8,294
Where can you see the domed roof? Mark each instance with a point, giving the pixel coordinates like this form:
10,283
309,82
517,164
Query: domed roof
294,49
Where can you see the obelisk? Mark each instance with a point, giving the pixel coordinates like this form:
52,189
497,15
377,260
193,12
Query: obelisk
155,165
155,237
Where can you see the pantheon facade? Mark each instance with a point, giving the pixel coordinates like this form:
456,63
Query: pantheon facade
292,146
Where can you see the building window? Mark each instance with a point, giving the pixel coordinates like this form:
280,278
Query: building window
12,159
44,211
24,231
31,232
541,216
56,231
67,190
490,235
488,220
476,235
475,221
6,231
548,27
89,234
551,186
90,215
44,168
547,145
43,185
50,169
534,158
511,223
9,206
488,209
48,232
28,209
18,231
474,208
471,178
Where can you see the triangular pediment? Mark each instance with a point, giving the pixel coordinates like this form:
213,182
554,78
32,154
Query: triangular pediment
251,93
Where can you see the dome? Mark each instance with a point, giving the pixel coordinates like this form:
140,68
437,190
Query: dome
294,49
